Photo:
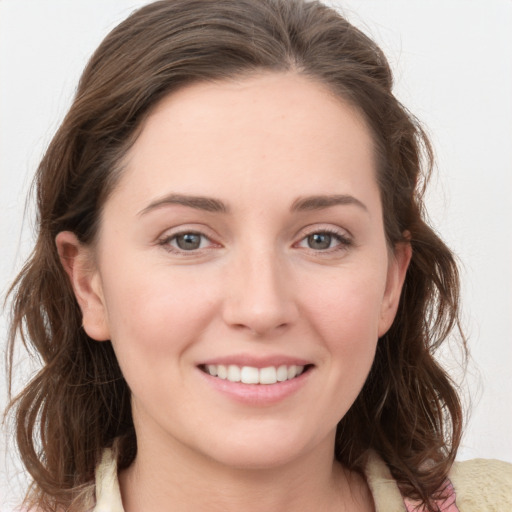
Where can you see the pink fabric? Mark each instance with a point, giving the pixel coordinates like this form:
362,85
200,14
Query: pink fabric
445,504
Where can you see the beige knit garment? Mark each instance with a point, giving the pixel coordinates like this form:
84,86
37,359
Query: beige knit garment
481,485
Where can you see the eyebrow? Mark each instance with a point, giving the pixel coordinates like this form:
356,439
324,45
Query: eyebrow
209,204
198,202
325,201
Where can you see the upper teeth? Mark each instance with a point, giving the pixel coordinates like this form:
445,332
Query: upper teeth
251,375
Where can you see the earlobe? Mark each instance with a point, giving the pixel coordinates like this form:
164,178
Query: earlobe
86,283
397,270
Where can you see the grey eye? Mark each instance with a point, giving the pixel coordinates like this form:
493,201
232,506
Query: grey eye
188,241
319,241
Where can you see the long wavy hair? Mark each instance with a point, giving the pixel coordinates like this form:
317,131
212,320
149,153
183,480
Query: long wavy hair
78,403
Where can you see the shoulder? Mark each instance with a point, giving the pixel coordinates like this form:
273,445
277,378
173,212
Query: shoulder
482,485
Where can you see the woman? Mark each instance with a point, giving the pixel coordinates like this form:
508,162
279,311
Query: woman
233,289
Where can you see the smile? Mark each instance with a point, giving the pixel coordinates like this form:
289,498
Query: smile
253,375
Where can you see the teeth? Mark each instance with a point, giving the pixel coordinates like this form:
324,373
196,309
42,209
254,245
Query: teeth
282,373
222,371
268,375
251,375
234,373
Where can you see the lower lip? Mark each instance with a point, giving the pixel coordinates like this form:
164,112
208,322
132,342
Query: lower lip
257,394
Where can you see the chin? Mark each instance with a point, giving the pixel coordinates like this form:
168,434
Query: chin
257,458
263,451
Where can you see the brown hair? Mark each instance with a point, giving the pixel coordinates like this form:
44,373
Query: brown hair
79,403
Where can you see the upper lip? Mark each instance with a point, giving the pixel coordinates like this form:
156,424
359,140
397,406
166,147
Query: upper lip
256,361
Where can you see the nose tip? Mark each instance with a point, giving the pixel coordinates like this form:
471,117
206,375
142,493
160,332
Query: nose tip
260,298
258,321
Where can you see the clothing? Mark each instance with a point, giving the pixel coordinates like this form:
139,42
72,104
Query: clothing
480,485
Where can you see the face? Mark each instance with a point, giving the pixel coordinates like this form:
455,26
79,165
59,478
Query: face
241,269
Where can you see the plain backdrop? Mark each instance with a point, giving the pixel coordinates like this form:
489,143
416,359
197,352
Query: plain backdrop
453,69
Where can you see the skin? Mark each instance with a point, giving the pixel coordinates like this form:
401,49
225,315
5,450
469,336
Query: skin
257,286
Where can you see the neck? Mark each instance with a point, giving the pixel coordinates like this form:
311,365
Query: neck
172,477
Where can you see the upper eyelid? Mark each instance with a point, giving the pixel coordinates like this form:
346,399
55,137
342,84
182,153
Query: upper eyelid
165,241
212,236
199,229
324,228
343,239
172,236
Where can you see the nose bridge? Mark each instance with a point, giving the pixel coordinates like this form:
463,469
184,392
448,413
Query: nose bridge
260,293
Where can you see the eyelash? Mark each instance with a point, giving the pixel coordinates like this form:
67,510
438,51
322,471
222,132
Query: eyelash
167,240
344,242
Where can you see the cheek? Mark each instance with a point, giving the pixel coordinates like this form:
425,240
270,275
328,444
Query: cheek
156,315
349,302
345,314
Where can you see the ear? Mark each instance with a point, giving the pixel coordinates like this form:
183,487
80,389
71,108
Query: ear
399,261
86,283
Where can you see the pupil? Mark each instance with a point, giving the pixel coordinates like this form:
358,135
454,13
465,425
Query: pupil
319,241
188,241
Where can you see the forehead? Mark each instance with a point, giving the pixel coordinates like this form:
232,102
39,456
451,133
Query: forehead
261,134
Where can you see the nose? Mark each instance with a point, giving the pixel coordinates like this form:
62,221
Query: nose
259,295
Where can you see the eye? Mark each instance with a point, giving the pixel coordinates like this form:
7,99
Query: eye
187,241
319,241
324,241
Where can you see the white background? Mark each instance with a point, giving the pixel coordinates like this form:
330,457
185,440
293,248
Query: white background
453,69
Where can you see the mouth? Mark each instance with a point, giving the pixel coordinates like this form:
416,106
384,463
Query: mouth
256,376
